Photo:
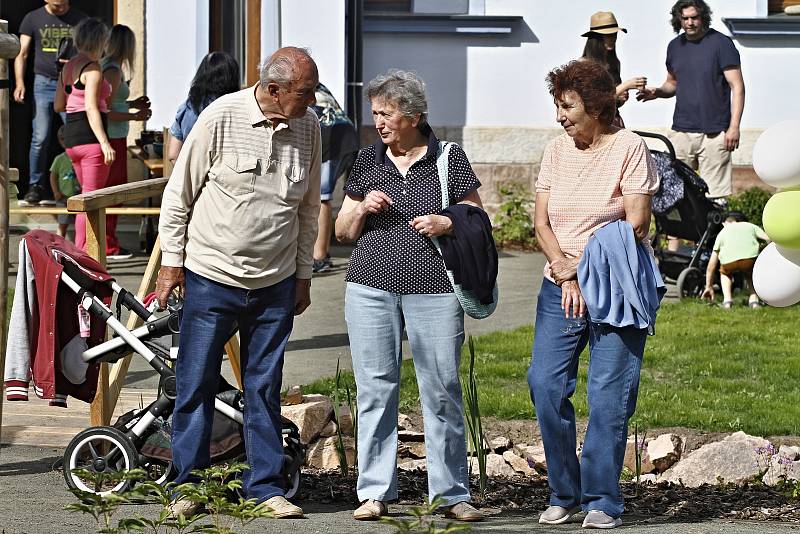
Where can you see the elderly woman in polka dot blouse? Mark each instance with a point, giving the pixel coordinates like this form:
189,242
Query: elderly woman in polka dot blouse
397,279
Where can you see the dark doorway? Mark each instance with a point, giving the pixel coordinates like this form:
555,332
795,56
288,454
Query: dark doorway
21,114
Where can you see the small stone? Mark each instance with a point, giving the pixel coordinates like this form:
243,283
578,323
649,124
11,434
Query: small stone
518,464
500,444
664,451
404,422
413,449
294,395
413,465
410,435
648,478
534,454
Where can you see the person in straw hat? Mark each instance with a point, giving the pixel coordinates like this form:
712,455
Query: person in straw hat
601,46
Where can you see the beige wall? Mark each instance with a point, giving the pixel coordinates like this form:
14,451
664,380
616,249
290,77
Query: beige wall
132,14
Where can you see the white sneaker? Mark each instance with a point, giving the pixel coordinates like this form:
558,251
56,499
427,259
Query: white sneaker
598,519
556,515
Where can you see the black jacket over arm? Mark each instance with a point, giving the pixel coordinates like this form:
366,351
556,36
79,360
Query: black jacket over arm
469,252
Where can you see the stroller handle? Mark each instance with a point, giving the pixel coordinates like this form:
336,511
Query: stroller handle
662,138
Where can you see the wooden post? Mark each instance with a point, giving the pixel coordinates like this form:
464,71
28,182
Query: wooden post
100,411
9,48
120,368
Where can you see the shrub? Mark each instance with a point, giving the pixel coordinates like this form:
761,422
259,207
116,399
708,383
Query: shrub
750,203
513,225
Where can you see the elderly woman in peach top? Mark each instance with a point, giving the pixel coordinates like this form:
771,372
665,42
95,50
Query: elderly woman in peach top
591,175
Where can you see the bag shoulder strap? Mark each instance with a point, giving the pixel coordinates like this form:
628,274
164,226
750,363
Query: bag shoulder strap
442,168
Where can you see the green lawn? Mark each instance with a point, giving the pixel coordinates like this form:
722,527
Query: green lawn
706,368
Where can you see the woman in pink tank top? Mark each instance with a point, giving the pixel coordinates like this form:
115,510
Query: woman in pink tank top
83,93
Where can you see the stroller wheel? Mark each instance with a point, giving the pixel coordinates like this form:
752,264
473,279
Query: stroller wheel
158,471
101,449
690,282
293,485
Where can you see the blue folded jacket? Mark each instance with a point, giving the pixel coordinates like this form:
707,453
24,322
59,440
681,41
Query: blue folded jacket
619,279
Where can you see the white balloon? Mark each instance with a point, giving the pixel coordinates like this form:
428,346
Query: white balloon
791,254
776,158
776,279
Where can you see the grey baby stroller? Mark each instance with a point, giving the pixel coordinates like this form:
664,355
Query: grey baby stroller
141,438
681,209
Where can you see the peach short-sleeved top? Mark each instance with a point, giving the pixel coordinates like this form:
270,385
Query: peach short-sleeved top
586,186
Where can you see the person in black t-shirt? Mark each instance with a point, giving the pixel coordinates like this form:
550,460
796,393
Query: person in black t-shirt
42,29
704,74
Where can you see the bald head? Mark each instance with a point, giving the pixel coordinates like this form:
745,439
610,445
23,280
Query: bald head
289,65
288,80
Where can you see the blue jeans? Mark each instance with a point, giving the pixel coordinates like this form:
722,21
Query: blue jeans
615,360
265,317
44,94
435,328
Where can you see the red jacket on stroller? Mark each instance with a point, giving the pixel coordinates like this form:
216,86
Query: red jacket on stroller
43,323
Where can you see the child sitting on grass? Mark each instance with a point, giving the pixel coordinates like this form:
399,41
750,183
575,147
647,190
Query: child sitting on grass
64,184
735,250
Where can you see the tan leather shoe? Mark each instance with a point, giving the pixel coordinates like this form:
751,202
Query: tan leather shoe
283,509
183,507
370,510
463,511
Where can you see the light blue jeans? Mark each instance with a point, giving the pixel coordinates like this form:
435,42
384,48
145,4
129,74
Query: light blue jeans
615,360
435,328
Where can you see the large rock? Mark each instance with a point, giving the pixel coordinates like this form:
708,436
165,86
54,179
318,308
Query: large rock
664,451
330,430
518,464
534,454
733,459
783,466
495,466
311,416
323,454
345,420
630,458
500,444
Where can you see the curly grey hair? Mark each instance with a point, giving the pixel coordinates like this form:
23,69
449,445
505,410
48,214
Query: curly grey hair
91,35
402,88
280,67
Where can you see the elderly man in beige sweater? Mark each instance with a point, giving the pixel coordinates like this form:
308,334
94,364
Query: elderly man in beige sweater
238,225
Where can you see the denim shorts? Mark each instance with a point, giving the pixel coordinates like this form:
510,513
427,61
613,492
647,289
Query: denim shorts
328,180
64,219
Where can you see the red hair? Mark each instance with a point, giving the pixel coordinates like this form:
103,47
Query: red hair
591,81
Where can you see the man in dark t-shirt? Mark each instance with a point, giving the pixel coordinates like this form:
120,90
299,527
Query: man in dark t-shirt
43,30
704,75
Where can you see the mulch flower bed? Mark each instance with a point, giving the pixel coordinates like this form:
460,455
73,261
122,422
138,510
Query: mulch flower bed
656,503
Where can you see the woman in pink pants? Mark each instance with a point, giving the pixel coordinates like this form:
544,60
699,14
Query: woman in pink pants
82,93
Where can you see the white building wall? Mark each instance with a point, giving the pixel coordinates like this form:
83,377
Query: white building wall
487,82
177,40
323,33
